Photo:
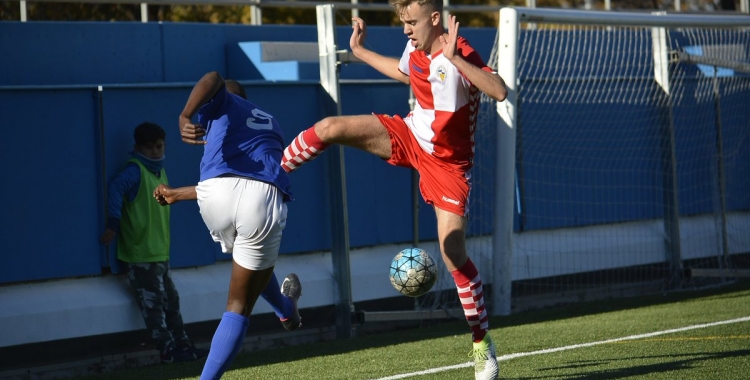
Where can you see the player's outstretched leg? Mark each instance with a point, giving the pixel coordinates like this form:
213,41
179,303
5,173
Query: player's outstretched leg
284,304
292,289
305,147
471,294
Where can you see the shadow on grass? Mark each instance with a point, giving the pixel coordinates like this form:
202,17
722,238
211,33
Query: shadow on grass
574,310
387,336
678,362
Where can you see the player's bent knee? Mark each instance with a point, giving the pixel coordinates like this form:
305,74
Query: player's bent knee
327,129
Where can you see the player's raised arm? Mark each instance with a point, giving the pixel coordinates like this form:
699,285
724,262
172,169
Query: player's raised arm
489,83
388,66
202,92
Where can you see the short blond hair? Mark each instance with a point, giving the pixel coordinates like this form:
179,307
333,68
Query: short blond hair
398,5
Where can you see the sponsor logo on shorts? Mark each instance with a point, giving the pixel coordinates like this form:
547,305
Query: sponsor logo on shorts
455,202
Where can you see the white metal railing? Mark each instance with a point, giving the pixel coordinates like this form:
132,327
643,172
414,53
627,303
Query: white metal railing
354,5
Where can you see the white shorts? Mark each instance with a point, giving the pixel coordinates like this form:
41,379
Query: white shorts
246,217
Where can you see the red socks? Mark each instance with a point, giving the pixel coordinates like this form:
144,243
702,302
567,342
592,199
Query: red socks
305,147
470,292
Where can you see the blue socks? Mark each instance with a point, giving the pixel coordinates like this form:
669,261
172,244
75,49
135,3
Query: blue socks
230,334
282,306
225,345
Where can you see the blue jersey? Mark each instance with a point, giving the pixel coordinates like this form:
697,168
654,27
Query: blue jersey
242,140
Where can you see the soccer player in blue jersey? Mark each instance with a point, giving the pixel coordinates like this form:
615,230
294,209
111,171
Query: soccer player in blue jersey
242,196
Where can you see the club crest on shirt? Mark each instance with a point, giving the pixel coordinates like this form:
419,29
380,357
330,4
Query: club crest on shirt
441,73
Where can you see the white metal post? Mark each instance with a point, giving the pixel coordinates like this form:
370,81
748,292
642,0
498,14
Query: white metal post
327,52
256,13
144,12
22,4
661,57
670,189
329,79
446,13
502,240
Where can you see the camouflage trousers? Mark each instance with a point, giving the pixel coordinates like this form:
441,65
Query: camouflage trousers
159,302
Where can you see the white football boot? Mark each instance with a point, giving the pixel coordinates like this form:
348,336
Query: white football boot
485,359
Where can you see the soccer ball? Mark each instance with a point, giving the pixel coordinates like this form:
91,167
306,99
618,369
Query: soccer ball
413,272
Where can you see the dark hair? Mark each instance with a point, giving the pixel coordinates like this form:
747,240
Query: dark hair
148,132
234,87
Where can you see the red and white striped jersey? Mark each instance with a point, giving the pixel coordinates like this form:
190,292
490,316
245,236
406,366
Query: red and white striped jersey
444,117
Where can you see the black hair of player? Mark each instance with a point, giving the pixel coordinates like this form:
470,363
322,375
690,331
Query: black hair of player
234,87
148,132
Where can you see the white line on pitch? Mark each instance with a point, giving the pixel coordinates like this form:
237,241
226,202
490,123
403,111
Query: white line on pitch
565,348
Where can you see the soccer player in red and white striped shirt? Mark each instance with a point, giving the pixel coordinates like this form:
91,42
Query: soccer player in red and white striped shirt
436,139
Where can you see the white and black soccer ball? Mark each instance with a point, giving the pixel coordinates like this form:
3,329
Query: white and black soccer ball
413,272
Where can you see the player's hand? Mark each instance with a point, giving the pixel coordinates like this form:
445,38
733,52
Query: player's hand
107,236
448,43
165,195
191,133
359,33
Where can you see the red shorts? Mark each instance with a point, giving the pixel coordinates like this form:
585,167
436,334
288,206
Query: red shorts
442,184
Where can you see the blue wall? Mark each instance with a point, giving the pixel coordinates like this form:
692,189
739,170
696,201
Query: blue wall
53,53
68,139
62,157
65,138
51,185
